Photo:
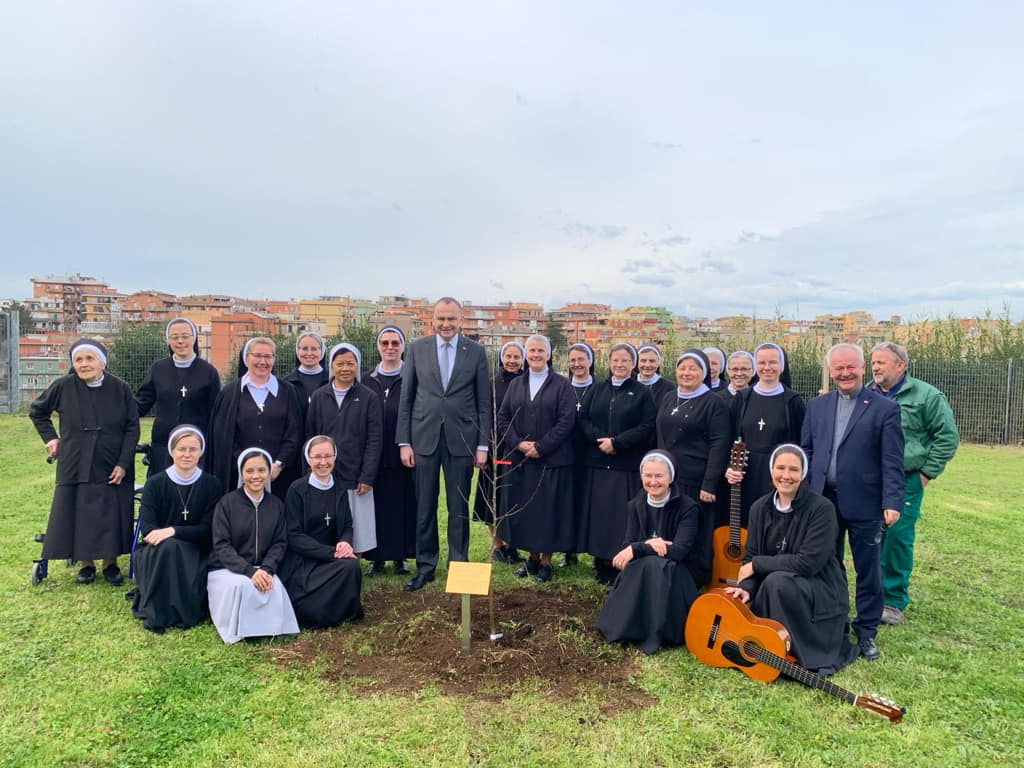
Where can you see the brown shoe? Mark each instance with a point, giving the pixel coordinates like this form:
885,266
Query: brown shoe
891,615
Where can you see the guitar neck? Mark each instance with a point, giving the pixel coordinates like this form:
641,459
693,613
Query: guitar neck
798,673
734,514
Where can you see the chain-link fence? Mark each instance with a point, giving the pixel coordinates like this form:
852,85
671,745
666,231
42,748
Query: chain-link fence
10,387
987,398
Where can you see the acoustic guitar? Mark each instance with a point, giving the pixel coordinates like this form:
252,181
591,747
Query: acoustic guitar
722,632
727,541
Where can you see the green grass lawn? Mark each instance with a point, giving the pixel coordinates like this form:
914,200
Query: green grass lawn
82,684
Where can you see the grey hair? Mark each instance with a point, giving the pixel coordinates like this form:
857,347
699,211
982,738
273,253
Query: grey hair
897,349
844,345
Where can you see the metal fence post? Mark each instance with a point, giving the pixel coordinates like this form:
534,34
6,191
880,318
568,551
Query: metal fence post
1006,409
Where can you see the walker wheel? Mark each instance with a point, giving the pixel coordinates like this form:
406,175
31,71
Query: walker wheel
36,574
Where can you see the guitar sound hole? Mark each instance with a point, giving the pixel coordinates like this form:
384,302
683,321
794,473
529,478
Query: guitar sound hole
733,551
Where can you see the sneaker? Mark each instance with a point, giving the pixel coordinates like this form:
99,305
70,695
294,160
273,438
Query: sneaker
891,615
112,575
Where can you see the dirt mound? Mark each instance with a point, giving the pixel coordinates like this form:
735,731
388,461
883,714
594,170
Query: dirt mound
410,640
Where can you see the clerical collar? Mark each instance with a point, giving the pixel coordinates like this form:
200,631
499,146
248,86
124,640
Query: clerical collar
184,363
585,383
651,381
311,371
392,372
733,390
778,389
316,482
848,397
97,383
618,382
696,393
270,386
659,503
177,479
716,383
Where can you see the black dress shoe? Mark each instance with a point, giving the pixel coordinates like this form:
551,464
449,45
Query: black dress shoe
868,649
112,575
500,555
401,568
375,568
569,558
419,581
514,556
86,575
544,573
530,569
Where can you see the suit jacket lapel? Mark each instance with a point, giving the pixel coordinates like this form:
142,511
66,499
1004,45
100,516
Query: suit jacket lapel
435,366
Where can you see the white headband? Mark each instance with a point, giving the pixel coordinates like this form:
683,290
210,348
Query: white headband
190,429
252,452
664,458
95,350
791,448
343,347
695,357
312,335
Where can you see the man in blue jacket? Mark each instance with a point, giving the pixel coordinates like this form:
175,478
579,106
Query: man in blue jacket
853,439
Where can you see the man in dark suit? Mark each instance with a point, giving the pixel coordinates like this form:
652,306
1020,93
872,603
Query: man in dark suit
443,419
853,439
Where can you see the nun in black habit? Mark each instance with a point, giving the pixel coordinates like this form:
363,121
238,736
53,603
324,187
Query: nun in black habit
488,498
790,572
649,372
716,370
350,413
740,368
693,426
91,513
309,373
179,389
536,423
651,597
763,416
320,570
616,420
581,378
174,529
250,538
394,493
257,410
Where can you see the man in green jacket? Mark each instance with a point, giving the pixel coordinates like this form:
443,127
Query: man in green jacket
930,440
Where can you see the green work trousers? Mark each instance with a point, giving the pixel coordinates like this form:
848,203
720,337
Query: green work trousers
898,545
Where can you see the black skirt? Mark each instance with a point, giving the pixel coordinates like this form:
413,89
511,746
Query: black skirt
648,604
537,509
606,492
394,499
170,584
323,592
90,521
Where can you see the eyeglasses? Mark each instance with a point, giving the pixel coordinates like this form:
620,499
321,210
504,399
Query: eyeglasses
258,356
321,456
386,343
181,337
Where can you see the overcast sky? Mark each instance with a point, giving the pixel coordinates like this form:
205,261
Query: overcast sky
777,156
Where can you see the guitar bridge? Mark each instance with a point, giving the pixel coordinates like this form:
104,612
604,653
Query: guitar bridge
713,634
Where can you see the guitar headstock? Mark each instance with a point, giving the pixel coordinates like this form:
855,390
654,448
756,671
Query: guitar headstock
738,456
883,707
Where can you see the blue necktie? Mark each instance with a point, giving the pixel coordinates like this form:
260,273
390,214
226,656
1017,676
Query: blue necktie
446,363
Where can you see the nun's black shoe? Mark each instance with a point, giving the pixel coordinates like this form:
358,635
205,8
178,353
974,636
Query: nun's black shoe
530,569
514,556
86,575
401,568
375,568
569,558
112,575
544,573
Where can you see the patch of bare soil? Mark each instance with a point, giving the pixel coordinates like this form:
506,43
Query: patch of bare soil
410,640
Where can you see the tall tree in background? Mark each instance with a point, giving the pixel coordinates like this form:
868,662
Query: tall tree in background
555,332
135,349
